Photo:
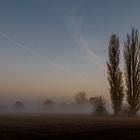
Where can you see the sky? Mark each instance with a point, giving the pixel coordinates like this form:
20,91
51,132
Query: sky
56,48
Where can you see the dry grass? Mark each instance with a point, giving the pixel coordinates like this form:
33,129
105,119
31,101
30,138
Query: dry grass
39,126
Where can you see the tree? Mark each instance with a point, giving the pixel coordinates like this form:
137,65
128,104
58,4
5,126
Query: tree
114,74
132,70
81,98
48,104
18,106
99,105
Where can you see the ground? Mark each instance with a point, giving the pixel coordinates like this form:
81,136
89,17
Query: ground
41,126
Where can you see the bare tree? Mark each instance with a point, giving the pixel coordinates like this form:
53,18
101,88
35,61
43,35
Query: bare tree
81,98
132,70
48,104
115,74
99,105
18,106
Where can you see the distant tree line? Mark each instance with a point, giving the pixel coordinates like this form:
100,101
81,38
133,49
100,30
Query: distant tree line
97,106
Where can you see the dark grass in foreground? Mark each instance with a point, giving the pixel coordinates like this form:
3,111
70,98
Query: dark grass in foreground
39,126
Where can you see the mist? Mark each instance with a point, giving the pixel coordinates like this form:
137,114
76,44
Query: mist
63,108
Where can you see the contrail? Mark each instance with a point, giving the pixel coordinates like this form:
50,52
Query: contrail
31,51
75,25
91,55
58,66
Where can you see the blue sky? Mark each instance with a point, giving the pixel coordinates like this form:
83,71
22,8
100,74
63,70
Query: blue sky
55,48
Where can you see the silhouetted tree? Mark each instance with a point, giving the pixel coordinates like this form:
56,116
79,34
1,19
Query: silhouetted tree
18,106
115,74
48,104
99,105
132,70
81,98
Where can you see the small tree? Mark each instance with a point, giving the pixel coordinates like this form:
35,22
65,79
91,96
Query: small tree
99,105
48,104
132,71
81,98
18,106
115,74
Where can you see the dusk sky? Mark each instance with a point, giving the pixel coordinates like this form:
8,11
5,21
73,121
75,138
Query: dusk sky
56,48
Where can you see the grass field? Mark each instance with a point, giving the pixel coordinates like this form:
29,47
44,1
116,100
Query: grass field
39,126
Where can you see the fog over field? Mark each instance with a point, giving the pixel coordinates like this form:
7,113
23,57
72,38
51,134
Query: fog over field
69,69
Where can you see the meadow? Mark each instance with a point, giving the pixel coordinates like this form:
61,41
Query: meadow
64,126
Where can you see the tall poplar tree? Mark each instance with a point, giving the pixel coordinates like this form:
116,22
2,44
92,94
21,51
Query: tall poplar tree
132,70
114,74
